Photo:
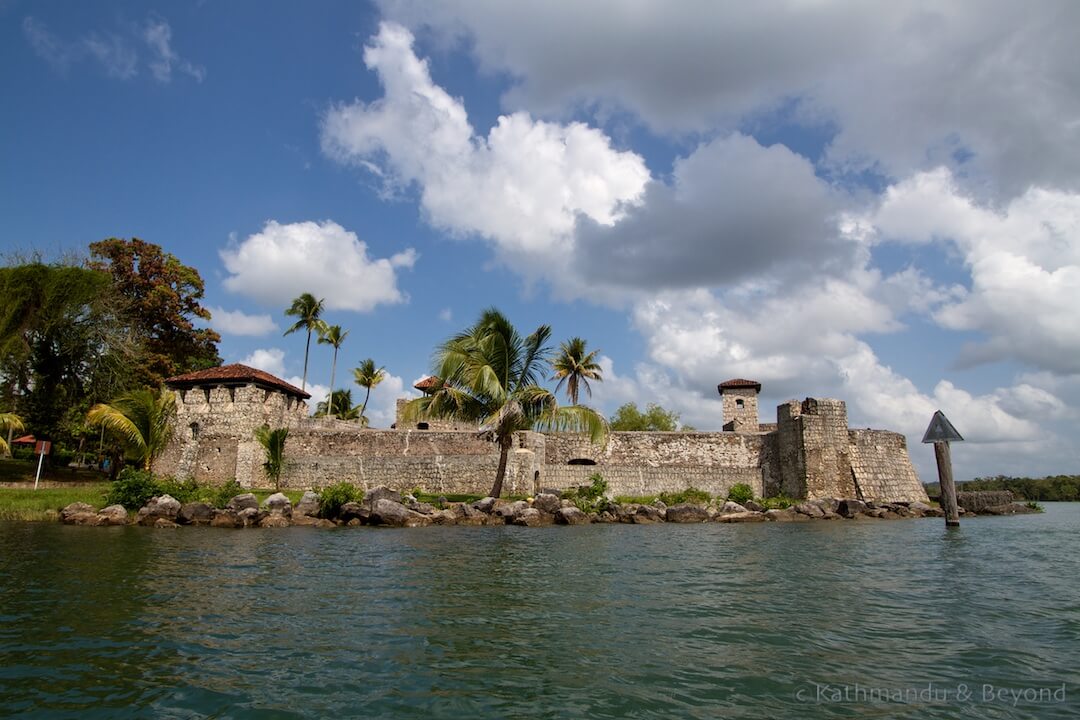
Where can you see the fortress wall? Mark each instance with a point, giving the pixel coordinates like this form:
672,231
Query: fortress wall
882,468
638,480
659,449
826,449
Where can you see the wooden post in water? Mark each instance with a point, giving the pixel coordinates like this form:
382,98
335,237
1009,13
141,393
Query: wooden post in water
940,432
945,480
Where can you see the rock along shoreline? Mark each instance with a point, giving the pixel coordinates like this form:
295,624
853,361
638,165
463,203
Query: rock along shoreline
383,507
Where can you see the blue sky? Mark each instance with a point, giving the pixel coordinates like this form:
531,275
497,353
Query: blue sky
880,204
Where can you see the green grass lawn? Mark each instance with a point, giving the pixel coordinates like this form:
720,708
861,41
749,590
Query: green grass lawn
44,503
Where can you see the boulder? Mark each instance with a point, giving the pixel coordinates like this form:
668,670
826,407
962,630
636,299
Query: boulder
251,516
809,509
742,517
828,505
754,506
278,504
605,517
113,515
79,513
275,520
732,507
510,511
531,517
646,514
242,502
195,513
444,517
309,521
163,506
308,505
485,505
382,493
420,507
564,502
571,516
785,515
354,511
226,519
394,514
687,513
546,502
918,509
163,522
849,507
877,512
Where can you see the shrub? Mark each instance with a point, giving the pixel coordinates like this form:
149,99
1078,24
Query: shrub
133,488
222,495
332,497
589,498
1034,506
689,495
740,493
778,502
183,490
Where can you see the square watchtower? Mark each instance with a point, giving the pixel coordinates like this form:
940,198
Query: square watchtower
740,398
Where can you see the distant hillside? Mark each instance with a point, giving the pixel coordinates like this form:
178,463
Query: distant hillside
1056,487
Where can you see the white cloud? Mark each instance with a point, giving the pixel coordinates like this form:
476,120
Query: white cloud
271,360
382,407
987,85
46,45
157,34
446,314
280,262
521,187
1024,261
237,322
114,53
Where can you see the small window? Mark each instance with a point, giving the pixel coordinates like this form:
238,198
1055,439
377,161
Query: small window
581,461
194,430
739,404
422,426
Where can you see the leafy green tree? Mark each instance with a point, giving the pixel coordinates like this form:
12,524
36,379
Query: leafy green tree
9,423
161,302
489,374
273,444
575,367
333,336
367,376
343,407
141,420
307,311
655,418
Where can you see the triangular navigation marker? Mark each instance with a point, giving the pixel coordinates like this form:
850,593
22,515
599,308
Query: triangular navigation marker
941,430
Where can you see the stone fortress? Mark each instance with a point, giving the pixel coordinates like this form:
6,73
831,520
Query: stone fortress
808,453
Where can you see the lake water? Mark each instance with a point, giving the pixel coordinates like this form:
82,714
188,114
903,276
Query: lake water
901,619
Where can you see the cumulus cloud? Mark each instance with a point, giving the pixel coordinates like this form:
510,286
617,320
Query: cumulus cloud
157,34
1023,259
990,86
521,187
271,360
280,262
382,407
237,322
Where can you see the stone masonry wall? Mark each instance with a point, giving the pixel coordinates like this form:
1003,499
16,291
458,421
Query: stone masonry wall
638,480
882,468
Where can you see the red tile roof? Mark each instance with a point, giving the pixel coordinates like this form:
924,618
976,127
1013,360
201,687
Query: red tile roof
431,382
235,374
739,383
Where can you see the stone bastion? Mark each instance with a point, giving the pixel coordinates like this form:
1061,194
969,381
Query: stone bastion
808,453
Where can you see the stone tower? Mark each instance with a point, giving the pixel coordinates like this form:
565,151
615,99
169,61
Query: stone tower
740,398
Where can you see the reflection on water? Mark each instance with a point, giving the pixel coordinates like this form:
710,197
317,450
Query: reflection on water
598,621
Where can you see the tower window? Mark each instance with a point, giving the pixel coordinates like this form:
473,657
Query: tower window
740,404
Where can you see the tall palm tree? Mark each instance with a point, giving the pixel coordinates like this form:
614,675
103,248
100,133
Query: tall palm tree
9,423
576,368
273,444
489,374
141,420
343,403
332,335
368,376
307,310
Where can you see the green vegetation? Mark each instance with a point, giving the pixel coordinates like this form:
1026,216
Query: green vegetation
433,499
273,445
777,502
1034,506
589,498
133,488
140,420
9,422
489,374
654,419
367,376
45,503
575,367
333,336
689,495
741,493
343,406
307,310
1048,489
332,497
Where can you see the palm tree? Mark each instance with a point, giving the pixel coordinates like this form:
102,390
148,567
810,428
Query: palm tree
332,335
273,443
140,419
368,376
342,400
489,374
9,423
576,368
307,311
